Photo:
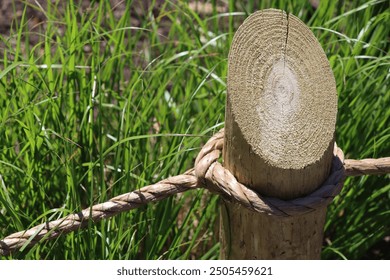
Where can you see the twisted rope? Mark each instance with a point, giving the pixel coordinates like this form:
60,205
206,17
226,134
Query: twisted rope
219,180
210,174
367,166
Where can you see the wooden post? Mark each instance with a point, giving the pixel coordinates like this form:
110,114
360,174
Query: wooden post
279,134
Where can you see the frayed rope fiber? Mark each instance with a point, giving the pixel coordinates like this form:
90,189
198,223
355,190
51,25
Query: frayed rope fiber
210,174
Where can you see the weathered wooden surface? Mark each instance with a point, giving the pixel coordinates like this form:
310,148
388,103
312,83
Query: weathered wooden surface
279,133
249,235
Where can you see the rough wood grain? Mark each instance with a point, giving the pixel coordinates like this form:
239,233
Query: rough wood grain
279,133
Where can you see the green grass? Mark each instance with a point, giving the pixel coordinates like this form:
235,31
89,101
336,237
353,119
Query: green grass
101,105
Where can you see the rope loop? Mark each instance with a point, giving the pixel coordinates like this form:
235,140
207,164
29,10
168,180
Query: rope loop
214,177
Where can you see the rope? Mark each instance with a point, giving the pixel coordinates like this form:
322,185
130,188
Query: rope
210,174
367,166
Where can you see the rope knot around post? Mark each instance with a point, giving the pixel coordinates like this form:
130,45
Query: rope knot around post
217,179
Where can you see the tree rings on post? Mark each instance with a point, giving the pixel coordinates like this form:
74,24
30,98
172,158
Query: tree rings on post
281,106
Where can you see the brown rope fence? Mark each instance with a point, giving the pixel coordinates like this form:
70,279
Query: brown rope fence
210,174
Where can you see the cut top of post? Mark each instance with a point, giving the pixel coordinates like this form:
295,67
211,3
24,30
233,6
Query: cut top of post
281,105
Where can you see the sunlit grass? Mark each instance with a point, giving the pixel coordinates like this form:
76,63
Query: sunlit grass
103,105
